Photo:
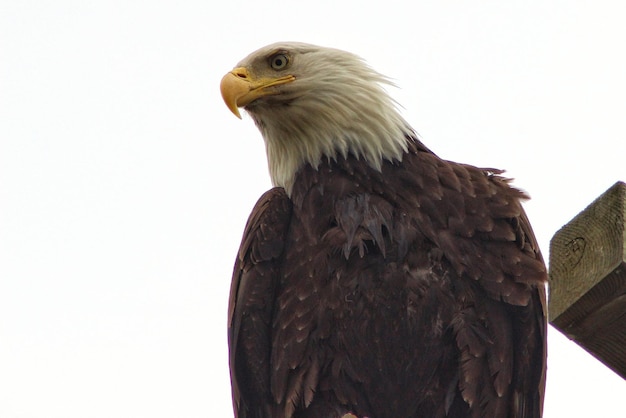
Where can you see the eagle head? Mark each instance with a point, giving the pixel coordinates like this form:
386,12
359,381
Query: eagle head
312,102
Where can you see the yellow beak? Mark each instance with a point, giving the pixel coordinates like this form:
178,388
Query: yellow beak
239,88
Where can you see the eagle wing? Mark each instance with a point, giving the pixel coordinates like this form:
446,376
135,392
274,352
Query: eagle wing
476,219
251,303
501,339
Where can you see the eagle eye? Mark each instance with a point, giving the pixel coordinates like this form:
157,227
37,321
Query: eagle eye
279,61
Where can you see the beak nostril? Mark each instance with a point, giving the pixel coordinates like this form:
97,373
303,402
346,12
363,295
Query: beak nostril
241,75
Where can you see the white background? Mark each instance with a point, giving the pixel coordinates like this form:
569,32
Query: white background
125,182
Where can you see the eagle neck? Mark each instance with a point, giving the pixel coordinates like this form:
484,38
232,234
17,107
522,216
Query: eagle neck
289,147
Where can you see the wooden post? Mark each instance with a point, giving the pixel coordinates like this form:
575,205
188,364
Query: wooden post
588,279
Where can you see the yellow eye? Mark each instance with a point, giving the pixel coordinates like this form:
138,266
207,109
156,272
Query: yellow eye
279,61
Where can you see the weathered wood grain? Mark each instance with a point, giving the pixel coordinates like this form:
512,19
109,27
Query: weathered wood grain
588,279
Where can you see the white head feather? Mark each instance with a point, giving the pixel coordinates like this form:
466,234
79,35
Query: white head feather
336,106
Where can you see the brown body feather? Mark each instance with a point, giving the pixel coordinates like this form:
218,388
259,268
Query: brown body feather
413,291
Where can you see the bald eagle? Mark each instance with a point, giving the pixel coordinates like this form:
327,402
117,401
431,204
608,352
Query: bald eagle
375,279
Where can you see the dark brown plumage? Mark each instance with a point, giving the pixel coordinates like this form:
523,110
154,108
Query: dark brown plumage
357,295
411,290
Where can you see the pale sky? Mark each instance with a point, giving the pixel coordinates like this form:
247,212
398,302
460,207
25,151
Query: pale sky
125,182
